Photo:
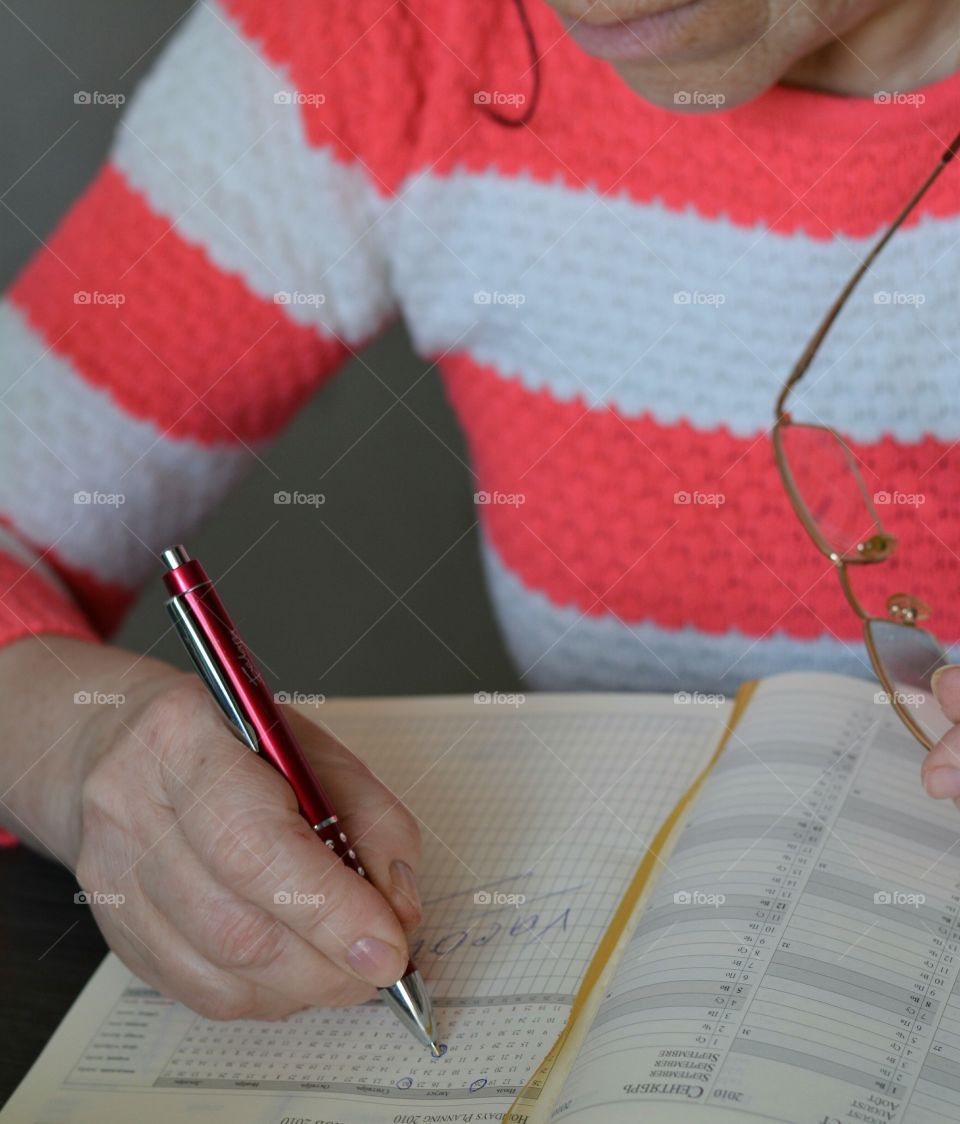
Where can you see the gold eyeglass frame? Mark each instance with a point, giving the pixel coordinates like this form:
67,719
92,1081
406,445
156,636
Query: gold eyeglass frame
904,609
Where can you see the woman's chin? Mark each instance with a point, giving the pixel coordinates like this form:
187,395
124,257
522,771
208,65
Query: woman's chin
670,92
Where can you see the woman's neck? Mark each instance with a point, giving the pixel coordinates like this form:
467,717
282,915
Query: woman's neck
905,45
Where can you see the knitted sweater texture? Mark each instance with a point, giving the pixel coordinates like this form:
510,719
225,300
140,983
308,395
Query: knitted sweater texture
613,295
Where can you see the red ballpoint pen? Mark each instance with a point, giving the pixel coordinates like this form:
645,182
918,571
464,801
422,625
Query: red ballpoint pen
233,678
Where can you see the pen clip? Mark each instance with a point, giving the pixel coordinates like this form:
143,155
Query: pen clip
207,665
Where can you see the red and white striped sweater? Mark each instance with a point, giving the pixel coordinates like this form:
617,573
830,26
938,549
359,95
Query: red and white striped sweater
614,295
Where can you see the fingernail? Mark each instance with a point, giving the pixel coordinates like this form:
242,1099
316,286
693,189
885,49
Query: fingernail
405,896
935,678
942,782
376,961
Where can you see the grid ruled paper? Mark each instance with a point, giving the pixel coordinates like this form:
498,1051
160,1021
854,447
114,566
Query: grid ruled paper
534,816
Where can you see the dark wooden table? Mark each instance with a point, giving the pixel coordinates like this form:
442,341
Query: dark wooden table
49,947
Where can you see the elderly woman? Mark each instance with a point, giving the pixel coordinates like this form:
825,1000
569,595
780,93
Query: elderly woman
613,226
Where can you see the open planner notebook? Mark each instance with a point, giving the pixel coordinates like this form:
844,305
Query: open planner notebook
787,950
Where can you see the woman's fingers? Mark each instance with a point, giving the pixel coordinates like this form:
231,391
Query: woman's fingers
231,902
940,771
381,830
946,687
148,941
240,818
239,938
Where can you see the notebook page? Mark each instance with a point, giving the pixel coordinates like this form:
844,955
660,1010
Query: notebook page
534,815
799,959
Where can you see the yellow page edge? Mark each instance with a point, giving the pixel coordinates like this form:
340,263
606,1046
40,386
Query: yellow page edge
606,957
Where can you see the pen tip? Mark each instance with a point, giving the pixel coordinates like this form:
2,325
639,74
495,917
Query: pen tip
435,1049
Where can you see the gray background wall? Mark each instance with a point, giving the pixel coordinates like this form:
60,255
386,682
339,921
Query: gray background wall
398,521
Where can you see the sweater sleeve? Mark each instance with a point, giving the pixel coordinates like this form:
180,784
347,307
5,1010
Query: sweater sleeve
220,266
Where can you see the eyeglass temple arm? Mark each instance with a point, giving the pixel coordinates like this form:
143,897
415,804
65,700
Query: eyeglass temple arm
813,346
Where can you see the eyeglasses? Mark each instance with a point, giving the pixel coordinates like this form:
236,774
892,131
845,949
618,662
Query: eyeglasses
828,493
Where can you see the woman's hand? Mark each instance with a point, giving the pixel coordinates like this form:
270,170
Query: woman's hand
202,875
940,771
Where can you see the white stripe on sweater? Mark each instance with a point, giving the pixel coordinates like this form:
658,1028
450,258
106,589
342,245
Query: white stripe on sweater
587,290
211,149
67,449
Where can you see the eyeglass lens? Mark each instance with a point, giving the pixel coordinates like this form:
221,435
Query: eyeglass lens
909,656
830,487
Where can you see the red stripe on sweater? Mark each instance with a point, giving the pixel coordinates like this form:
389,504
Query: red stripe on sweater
28,603
792,161
400,81
597,526
190,348
104,603
369,60
29,606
